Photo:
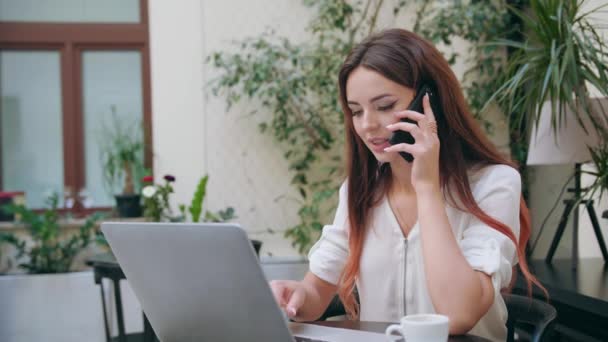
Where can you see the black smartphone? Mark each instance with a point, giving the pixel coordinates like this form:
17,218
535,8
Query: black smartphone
399,136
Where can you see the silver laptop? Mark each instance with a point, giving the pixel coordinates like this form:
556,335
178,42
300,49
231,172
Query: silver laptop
198,282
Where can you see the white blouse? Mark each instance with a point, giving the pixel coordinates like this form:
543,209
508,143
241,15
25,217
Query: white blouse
392,281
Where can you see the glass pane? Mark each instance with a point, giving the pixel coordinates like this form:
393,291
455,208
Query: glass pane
31,124
86,11
111,84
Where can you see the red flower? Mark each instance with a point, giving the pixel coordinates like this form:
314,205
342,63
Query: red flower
169,178
147,179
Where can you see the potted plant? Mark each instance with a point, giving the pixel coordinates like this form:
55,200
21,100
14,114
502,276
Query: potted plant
223,215
157,208
7,198
122,159
550,71
156,199
560,56
46,251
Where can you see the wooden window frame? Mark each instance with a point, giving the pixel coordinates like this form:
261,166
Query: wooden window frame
70,40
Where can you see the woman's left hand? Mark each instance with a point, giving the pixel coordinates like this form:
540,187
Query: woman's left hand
425,149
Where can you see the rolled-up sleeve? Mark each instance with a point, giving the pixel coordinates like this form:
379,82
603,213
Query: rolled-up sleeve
498,194
327,256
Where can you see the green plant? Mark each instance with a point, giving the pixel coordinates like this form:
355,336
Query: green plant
156,199
48,251
221,216
122,151
296,83
599,155
561,54
196,206
480,23
477,22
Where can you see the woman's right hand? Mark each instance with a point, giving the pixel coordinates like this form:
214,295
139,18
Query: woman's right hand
290,295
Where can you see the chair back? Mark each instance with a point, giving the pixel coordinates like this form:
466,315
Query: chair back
529,314
335,308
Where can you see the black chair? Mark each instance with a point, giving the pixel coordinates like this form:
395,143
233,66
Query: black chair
335,308
529,319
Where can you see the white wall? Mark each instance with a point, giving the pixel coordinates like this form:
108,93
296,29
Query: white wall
546,182
177,100
247,169
194,134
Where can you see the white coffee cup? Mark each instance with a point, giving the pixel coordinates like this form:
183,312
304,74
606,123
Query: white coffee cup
422,328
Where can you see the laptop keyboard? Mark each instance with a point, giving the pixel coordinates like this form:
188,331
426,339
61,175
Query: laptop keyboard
306,339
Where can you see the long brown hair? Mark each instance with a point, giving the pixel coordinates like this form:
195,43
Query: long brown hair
407,59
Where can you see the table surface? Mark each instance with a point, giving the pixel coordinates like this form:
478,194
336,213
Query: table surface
108,261
584,287
380,327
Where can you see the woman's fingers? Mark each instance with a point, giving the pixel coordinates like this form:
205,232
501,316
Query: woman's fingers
407,127
429,125
281,292
290,295
428,110
295,302
410,114
403,147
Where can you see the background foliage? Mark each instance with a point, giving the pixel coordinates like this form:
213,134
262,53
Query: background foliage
122,155
48,252
296,82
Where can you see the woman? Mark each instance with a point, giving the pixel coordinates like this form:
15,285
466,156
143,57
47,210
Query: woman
438,235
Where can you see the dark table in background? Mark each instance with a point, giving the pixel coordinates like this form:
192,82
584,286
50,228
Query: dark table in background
580,296
106,266
380,327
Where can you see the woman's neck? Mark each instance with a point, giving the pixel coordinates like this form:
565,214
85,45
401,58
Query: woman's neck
401,177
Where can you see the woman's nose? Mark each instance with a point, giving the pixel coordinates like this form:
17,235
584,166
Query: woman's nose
370,121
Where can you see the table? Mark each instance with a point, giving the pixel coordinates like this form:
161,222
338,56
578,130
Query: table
106,266
579,294
380,327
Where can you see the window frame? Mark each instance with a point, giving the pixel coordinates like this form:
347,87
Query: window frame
71,40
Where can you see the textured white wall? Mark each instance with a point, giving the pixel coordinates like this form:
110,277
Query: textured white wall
177,99
194,134
247,169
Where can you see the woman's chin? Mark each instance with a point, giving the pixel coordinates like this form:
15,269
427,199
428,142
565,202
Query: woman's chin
386,157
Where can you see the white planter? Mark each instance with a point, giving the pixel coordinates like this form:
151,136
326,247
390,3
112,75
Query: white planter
54,307
67,307
285,268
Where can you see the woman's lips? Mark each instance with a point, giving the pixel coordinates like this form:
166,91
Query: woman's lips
379,146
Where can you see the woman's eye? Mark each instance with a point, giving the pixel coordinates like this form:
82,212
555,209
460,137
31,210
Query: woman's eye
356,112
387,107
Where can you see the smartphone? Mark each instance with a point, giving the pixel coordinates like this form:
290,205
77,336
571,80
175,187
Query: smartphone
399,136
